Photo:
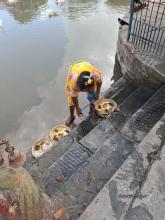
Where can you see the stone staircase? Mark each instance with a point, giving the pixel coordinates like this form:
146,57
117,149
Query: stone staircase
97,150
136,190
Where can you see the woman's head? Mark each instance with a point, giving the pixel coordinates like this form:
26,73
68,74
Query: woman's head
85,81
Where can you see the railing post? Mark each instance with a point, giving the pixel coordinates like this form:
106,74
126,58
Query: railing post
130,18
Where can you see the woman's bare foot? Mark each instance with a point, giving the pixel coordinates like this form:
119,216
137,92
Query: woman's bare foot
69,121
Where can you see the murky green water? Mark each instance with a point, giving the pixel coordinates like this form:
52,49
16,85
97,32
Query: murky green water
36,51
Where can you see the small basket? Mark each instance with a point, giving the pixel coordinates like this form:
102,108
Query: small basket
105,107
58,132
41,146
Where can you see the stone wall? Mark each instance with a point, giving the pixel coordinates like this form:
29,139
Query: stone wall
136,64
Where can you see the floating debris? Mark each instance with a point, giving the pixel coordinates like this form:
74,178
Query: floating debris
53,14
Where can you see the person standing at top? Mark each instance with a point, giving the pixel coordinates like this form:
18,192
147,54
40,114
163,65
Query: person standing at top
82,77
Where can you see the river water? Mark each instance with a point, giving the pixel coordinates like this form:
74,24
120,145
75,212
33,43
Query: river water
35,53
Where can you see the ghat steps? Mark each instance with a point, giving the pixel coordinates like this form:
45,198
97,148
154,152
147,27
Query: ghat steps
98,149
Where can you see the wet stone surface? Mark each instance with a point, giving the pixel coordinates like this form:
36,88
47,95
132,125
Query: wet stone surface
84,185
70,162
115,199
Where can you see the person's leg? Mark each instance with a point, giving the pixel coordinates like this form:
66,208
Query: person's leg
71,117
90,97
92,108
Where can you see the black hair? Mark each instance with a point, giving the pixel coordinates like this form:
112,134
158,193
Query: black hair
82,80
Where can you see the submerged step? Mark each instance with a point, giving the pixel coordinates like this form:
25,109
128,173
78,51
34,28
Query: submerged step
145,118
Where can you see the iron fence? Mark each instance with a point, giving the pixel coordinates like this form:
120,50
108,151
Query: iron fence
147,26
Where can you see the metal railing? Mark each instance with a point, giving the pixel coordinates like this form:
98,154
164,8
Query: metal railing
147,26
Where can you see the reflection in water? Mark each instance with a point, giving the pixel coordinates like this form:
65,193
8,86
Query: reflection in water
36,57
23,10
85,8
119,5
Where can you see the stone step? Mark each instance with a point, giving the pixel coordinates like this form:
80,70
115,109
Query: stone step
35,166
92,120
123,93
110,148
144,119
138,98
82,186
64,167
115,199
115,87
108,127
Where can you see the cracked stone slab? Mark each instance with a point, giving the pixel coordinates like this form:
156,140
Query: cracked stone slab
115,198
144,119
83,185
150,204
